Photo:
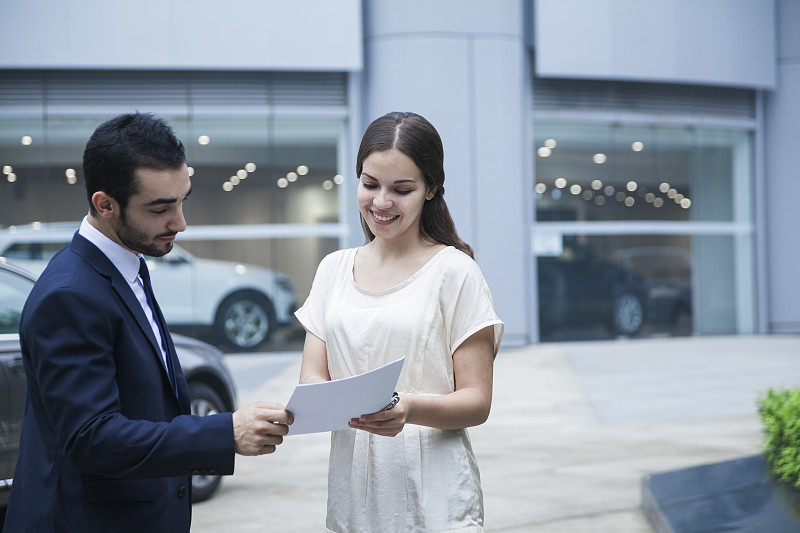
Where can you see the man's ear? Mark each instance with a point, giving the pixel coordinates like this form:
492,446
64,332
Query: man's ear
105,205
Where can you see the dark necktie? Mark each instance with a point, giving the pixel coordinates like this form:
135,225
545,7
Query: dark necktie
159,318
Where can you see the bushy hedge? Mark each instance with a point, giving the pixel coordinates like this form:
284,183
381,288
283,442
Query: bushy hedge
779,411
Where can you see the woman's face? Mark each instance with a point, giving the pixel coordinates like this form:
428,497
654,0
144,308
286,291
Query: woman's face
391,193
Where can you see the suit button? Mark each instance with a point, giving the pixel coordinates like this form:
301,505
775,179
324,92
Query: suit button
182,491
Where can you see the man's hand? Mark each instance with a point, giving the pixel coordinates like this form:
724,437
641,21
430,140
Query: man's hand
259,428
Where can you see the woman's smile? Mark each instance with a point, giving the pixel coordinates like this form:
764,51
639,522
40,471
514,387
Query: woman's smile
383,219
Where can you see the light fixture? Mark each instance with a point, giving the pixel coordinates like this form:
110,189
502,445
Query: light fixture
227,186
302,170
550,143
283,183
191,171
11,177
631,186
540,188
203,140
560,183
575,189
327,185
544,151
250,167
597,185
241,174
599,158
637,146
7,169
26,140
338,179
291,176
663,187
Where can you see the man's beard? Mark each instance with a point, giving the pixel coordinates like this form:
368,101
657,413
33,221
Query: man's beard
138,241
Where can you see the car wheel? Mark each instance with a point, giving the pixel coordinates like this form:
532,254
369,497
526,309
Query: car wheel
205,401
628,314
245,320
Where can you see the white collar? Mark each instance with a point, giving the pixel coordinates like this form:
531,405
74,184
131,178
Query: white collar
123,259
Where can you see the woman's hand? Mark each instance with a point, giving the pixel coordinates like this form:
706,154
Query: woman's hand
387,423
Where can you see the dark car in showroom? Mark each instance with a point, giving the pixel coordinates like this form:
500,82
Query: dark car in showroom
579,289
210,383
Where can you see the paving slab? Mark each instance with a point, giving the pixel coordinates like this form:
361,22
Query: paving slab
574,427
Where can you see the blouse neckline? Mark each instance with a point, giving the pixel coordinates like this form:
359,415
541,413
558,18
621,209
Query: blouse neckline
400,285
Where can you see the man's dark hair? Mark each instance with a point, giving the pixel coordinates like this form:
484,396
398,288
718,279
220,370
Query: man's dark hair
123,144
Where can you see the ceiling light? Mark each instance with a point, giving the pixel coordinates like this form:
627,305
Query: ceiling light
227,186
637,146
550,143
26,140
338,179
561,183
599,158
283,183
544,151
327,185
250,167
203,140
302,170
291,176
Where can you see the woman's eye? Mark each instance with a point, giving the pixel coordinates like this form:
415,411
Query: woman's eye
369,185
404,192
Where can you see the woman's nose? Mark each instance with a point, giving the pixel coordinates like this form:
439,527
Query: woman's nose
382,201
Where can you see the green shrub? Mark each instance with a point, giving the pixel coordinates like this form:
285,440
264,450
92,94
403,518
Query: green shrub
779,411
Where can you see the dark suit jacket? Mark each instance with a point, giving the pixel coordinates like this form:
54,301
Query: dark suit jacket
106,445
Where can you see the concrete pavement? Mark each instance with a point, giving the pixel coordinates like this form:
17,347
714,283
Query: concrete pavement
573,428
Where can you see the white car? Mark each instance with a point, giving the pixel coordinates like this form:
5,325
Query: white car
244,304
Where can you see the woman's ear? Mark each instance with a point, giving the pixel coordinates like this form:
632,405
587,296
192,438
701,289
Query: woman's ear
431,193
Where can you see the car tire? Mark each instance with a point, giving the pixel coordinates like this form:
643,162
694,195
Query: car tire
205,401
245,321
628,314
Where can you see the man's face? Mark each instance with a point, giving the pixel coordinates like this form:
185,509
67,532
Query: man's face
154,215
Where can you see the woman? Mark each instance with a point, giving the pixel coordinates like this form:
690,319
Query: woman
413,290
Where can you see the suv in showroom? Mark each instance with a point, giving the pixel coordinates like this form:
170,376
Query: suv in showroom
243,305
210,383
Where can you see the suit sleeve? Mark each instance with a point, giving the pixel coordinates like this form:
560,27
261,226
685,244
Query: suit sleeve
103,406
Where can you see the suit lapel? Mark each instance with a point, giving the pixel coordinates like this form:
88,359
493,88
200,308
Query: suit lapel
98,260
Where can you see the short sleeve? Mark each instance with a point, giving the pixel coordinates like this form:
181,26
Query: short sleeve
474,309
312,314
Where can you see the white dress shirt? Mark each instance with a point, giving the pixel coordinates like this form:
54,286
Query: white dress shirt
127,263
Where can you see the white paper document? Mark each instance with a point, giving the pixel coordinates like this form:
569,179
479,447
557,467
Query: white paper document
329,405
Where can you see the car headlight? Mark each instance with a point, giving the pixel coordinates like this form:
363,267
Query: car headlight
285,284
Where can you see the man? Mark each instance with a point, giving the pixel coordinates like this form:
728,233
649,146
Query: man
107,442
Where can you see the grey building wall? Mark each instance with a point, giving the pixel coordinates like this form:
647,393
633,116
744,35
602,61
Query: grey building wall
463,65
782,179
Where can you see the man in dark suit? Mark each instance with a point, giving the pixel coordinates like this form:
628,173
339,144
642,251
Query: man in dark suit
107,442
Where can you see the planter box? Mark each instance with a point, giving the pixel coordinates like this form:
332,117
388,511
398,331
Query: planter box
737,496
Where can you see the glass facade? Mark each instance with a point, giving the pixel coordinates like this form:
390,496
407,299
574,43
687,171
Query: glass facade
264,209
642,230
